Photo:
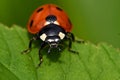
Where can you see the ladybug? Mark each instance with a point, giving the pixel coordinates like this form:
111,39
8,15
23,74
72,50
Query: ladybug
51,25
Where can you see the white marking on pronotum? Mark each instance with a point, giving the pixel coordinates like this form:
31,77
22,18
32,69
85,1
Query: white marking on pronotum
56,40
49,22
61,35
56,22
51,40
43,36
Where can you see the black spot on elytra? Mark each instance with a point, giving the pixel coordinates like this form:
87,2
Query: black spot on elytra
58,8
39,9
31,23
69,21
51,18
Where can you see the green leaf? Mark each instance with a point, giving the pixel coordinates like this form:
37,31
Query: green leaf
5,74
101,62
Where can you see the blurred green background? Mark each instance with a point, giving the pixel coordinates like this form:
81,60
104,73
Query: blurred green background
93,20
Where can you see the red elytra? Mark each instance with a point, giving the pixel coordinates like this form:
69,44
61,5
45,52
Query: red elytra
37,19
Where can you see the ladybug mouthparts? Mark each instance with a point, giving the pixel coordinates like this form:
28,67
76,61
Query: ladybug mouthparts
53,45
53,41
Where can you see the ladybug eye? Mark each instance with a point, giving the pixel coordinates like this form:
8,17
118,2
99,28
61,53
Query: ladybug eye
31,23
58,8
39,9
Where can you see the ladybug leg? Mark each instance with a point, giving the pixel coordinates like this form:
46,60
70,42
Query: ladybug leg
40,55
70,46
30,45
71,38
49,50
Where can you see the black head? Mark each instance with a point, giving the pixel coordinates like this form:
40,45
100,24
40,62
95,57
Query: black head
52,34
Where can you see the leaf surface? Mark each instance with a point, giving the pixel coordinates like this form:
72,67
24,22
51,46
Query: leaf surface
94,62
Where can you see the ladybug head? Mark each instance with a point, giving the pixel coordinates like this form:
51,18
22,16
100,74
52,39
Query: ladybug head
52,34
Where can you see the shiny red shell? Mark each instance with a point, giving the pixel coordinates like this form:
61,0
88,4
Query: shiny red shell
37,19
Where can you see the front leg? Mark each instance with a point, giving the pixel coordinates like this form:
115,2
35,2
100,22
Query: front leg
30,45
70,46
71,38
43,44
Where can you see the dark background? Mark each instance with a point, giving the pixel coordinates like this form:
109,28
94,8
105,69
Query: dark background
93,20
